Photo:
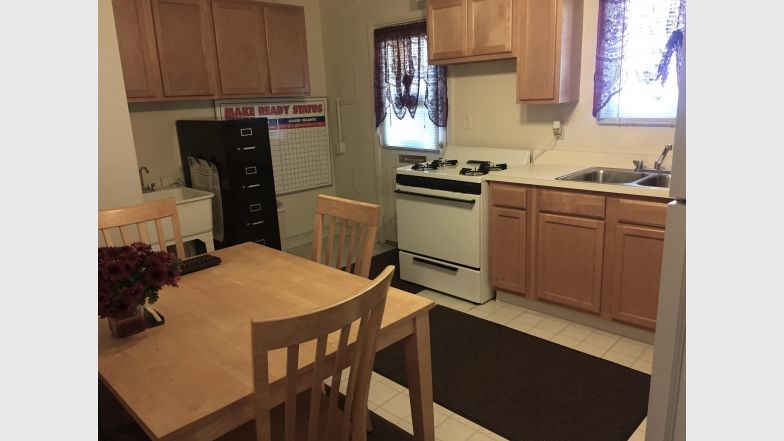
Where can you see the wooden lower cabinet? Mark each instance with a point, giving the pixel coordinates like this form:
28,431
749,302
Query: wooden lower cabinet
508,229
569,261
634,248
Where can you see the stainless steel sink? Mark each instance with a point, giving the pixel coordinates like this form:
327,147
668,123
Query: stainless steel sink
660,180
620,176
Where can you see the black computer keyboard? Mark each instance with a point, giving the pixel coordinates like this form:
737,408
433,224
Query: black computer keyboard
199,262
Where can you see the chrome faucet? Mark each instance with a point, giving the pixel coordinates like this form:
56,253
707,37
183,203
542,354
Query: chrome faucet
657,165
145,188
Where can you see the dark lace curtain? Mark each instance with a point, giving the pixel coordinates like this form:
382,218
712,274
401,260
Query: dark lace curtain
607,79
400,67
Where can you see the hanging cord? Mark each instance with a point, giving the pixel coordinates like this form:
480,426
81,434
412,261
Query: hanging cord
544,150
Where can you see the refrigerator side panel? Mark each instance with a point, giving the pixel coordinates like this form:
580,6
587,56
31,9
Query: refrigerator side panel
678,184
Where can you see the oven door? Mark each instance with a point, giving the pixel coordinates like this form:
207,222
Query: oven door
440,224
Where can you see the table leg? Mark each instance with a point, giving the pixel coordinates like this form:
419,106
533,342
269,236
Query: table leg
420,379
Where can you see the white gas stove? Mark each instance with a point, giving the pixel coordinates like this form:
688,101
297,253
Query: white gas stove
442,219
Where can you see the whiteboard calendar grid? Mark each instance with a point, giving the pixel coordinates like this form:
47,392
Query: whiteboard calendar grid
299,139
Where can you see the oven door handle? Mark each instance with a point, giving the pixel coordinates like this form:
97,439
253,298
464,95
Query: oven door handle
436,264
444,198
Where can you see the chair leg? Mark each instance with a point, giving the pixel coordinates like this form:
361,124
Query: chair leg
369,422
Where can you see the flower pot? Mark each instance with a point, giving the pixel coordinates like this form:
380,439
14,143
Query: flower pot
128,324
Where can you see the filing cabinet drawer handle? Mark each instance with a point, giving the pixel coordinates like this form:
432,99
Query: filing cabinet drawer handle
251,170
254,207
246,132
254,223
250,147
251,186
261,241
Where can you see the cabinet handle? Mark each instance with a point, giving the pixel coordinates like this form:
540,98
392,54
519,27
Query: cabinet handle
251,170
251,186
443,198
251,147
254,207
246,132
436,264
247,224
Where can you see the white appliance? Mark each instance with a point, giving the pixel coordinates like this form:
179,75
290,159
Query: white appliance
442,219
667,399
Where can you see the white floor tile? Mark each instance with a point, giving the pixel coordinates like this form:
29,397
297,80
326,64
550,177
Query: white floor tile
565,341
603,339
553,325
629,347
591,349
489,307
576,332
643,366
519,325
454,430
530,317
647,354
381,393
541,333
618,357
509,312
495,318
399,405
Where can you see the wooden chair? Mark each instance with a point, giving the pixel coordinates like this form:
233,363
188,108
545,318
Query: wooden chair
308,413
140,215
360,218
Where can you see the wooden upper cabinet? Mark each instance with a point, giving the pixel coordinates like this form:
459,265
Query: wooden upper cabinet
548,54
186,47
446,29
138,54
241,44
489,27
287,48
569,261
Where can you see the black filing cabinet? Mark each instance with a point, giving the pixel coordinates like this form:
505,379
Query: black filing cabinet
240,149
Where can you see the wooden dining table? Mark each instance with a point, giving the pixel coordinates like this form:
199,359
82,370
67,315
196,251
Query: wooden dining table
191,377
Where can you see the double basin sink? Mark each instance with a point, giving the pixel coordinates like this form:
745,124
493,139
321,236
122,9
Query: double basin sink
620,176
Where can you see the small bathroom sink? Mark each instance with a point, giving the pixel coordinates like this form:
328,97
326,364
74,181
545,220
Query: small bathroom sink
195,210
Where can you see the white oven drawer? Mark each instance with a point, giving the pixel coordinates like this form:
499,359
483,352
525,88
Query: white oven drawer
443,225
458,281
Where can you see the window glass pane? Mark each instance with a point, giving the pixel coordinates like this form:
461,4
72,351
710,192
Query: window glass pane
649,25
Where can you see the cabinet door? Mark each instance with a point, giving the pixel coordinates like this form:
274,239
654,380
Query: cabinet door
287,48
138,54
446,29
489,27
569,261
507,249
241,45
186,47
636,272
536,57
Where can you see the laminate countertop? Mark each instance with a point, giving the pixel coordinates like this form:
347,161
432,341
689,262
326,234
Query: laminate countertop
544,175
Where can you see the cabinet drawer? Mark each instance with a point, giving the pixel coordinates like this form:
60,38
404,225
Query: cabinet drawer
508,195
642,212
576,204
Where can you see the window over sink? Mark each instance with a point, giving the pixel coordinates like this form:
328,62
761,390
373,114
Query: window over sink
638,57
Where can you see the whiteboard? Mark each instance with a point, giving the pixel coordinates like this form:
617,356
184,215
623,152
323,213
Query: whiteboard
299,138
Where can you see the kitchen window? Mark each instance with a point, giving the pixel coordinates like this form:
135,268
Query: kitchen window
638,59
410,95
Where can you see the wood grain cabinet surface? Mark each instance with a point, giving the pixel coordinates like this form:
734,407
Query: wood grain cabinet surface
599,253
634,252
138,52
460,31
288,49
549,50
186,47
197,49
241,43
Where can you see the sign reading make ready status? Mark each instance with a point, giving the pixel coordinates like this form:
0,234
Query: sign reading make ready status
299,138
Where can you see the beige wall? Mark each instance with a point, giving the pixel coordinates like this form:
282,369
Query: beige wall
486,91
156,136
118,182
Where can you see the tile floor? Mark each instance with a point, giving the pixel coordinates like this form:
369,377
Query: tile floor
390,400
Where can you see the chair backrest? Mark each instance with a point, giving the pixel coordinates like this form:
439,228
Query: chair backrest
139,216
365,307
359,220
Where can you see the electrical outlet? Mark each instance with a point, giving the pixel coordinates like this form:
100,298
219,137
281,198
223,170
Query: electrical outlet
557,129
467,121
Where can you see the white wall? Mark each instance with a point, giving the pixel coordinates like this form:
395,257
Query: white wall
156,136
118,182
